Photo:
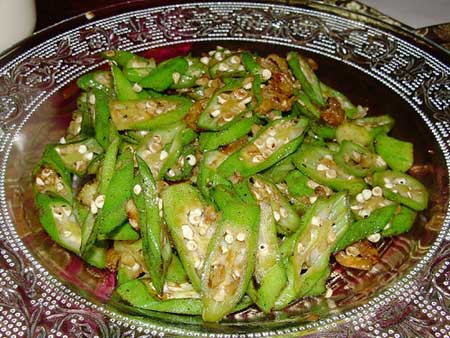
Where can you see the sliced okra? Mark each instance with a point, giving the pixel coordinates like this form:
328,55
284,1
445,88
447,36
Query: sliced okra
399,155
402,188
353,132
134,66
225,105
304,106
237,129
278,172
59,221
175,271
367,201
191,223
155,238
230,260
189,78
308,79
357,160
51,175
271,144
129,260
102,117
230,66
208,176
323,131
124,232
351,111
269,277
148,114
318,164
123,88
365,227
285,216
376,124
98,79
182,169
162,77
323,225
401,222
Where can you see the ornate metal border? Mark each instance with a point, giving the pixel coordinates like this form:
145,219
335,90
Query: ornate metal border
34,304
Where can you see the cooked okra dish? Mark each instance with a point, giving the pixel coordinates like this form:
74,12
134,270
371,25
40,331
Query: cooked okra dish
221,181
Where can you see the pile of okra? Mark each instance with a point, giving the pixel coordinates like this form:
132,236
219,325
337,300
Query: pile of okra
216,182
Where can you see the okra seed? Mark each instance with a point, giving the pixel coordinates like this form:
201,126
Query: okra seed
77,131
191,160
331,237
100,201
62,140
315,221
204,60
135,267
194,219
328,157
241,237
364,213
367,194
78,165
223,67
283,212
218,56
352,251
215,113
400,181
235,59
220,296
266,74
89,156
59,186
228,117
94,208
67,233
176,77
356,156
229,238
312,184
356,207
246,100
236,274
312,199
380,162
171,173
272,132
257,159
198,264
160,203
329,293
82,149
322,167
196,212
92,99
222,98
224,248
187,231
58,215
389,185
374,238
137,88
164,154
300,248
386,180
137,189
262,247
276,215
191,246
271,142
377,191
331,173
46,172
248,85
39,181
257,195
202,230
360,198
67,211
387,226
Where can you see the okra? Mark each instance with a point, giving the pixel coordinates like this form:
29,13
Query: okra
399,155
402,188
191,223
230,66
102,118
155,241
353,132
225,106
148,114
208,177
162,77
318,164
376,125
401,222
99,79
230,260
304,106
123,88
124,232
349,108
188,79
185,163
271,144
278,172
309,81
357,160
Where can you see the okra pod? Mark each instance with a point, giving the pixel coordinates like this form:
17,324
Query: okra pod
162,77
399,155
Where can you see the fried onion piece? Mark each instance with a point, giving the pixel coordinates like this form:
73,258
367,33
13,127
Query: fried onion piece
334,114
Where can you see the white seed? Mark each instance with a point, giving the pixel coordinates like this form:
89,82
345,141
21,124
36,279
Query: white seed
164,154
241,236
160,203
380,162
59,186
247,86
374,238
62,140
215,113
222,98
377,191
331,173
224,248
271,142
356,207
176,77
387,180
312,199
266,74
196,212
134,224
229,238
366,194
198,264
137,88
400,181
328,157
360,198
219,296
329,293
262,247
322,167
137,189
204,60
235,59
202,230
218,56
100,201
187,231
82,149
171,173
223,67
154,147
312,184
257,159
388,185
46,172
352,251
58,215
387,226
315,220
331,237
191,246
191,160
246,100
78,165
39,181
356,156
276,215
91,99
236,274
300,248
135,267
283,212
94,208
364,213
89,156
194,219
